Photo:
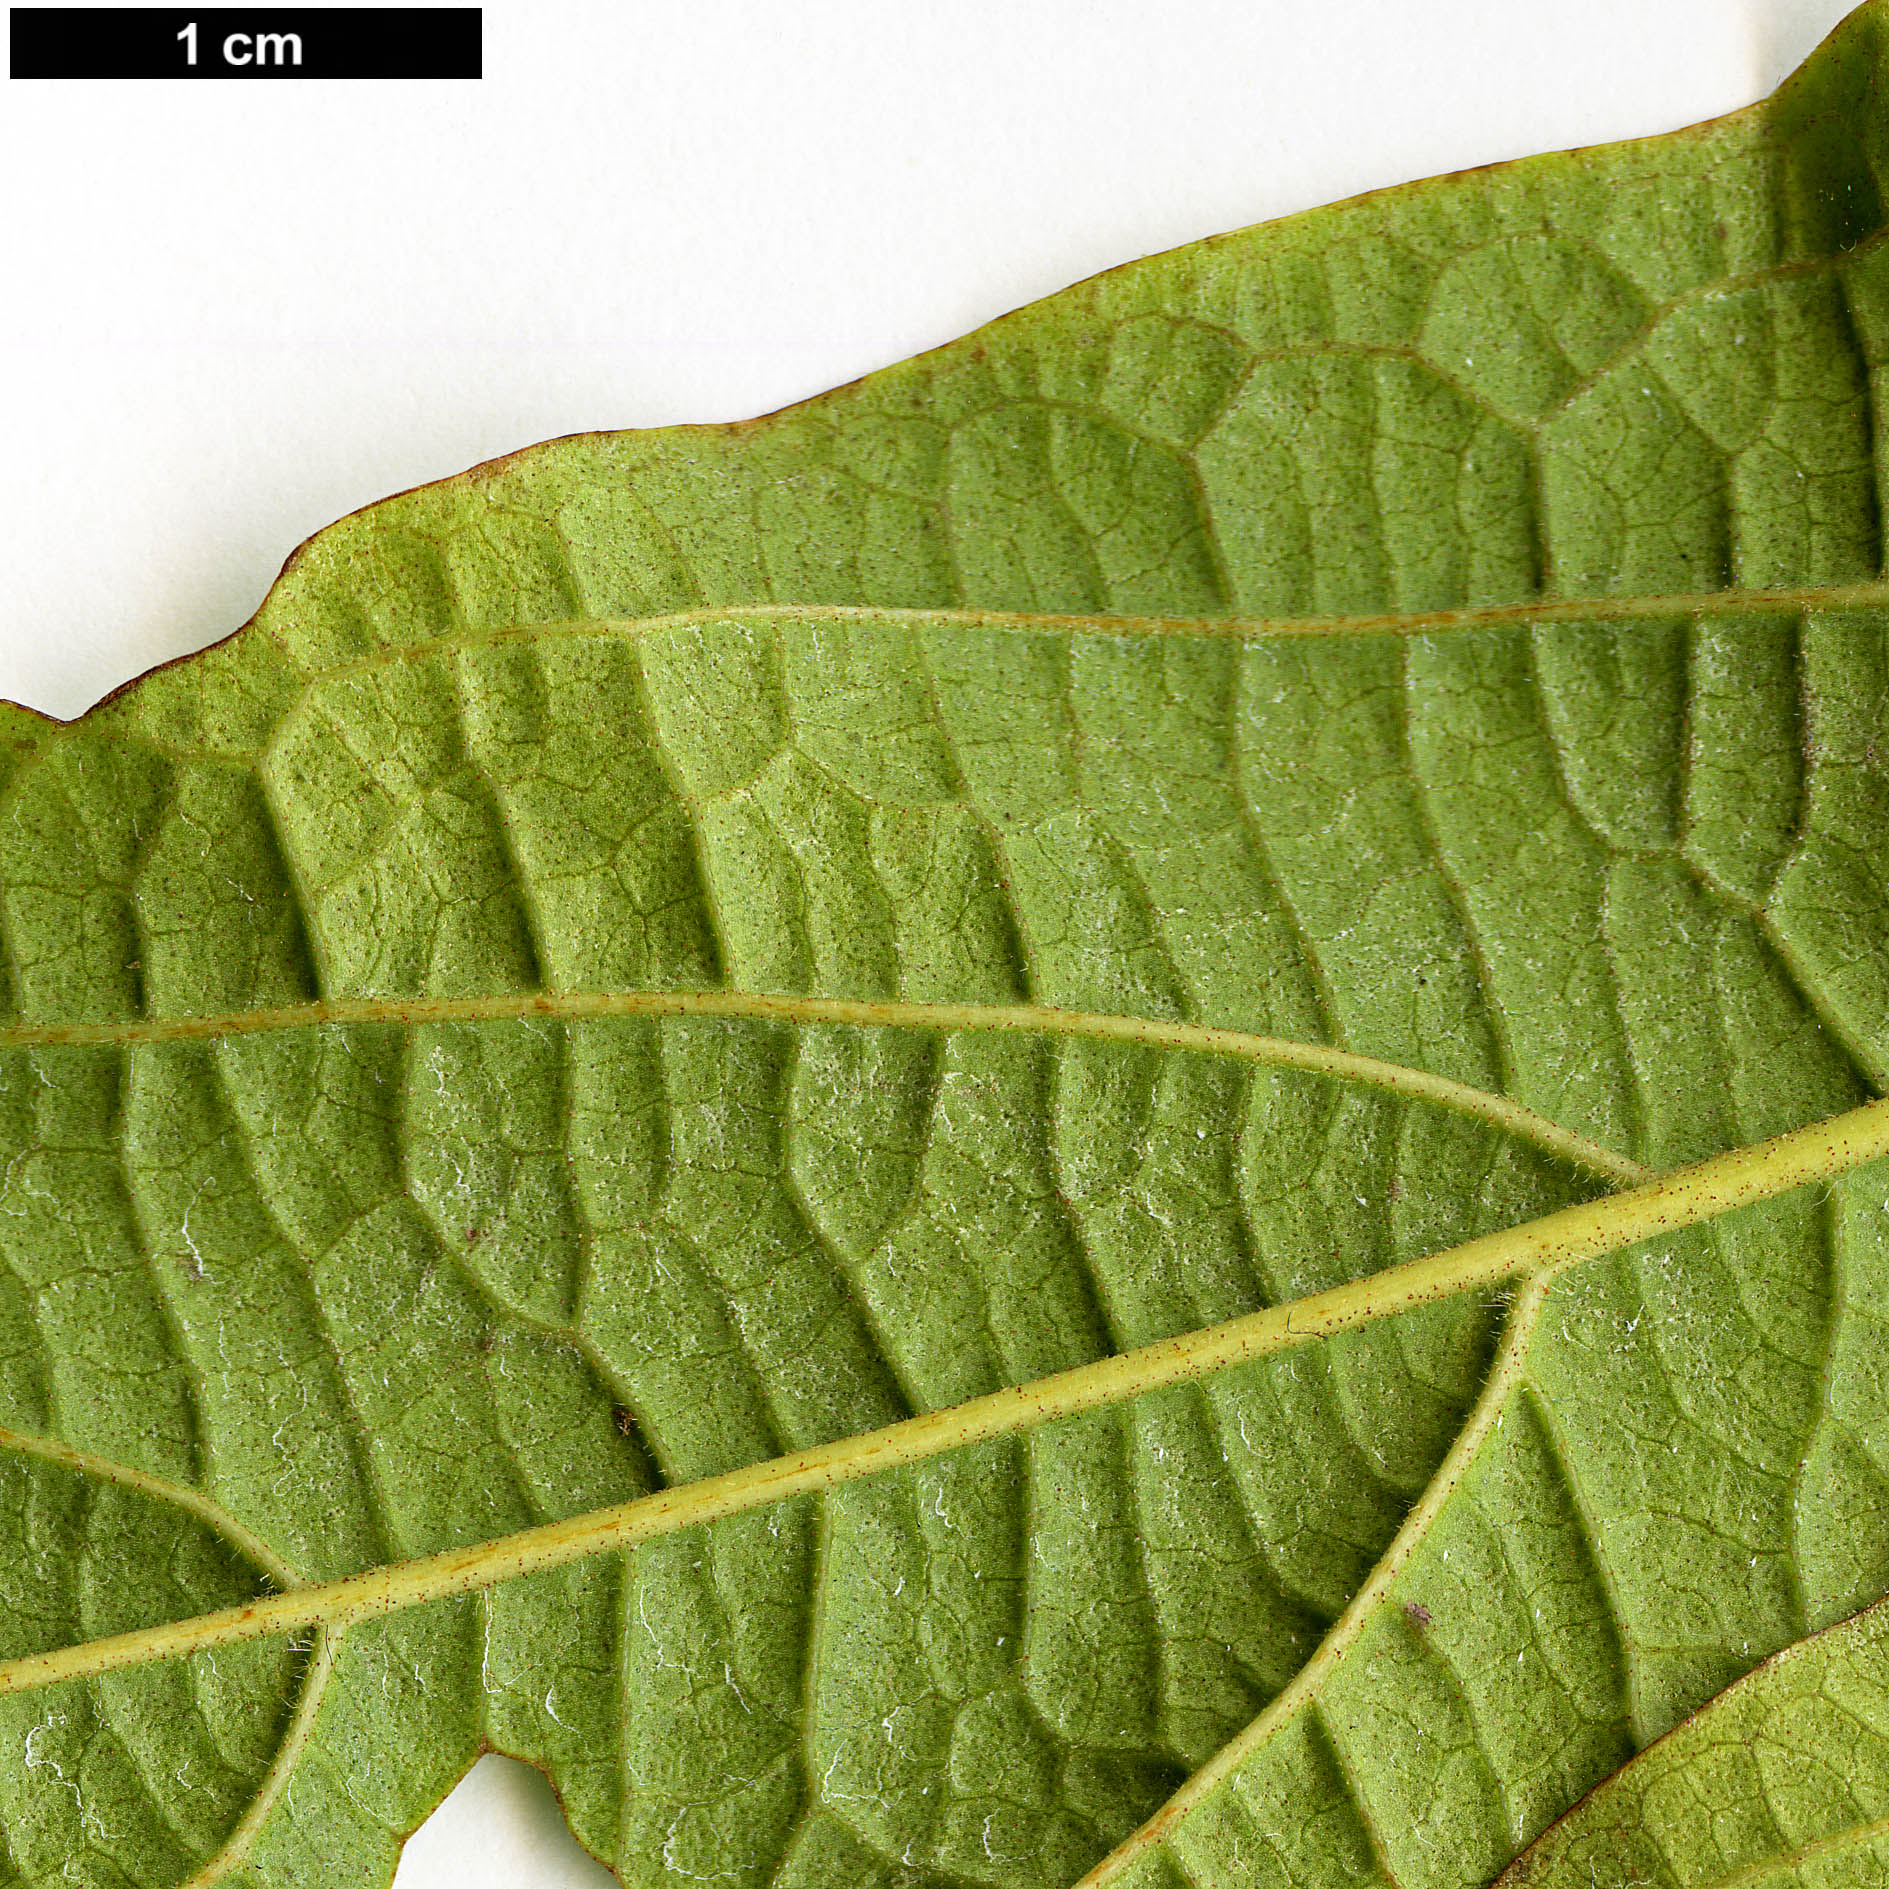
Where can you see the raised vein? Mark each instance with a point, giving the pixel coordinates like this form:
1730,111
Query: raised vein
1867,595
1028,1019
1536,1251
1870,595
1309,1682
301,1728
175,1495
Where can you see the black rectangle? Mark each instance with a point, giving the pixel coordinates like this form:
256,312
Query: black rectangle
245,42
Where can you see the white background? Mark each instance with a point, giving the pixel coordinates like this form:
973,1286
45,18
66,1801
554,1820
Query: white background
237,311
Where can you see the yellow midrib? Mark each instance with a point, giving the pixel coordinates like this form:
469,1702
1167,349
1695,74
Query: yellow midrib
1536,1250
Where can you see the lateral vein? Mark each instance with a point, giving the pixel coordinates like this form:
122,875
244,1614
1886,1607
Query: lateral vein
1867,595
863,1013
1535,1251
1309,1682
301,1728
176,1495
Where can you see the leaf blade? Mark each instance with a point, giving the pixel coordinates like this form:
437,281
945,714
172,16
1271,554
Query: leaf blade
851,811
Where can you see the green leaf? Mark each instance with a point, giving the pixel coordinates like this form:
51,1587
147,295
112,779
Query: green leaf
1782,1780
1019,1128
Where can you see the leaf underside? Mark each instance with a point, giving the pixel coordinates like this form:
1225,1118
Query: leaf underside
1448,628
1781,1781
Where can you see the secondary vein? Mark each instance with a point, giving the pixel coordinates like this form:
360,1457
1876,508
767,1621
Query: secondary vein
301,1728
1869,595
160,1489
1535,1251
862,1013
1309,1682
